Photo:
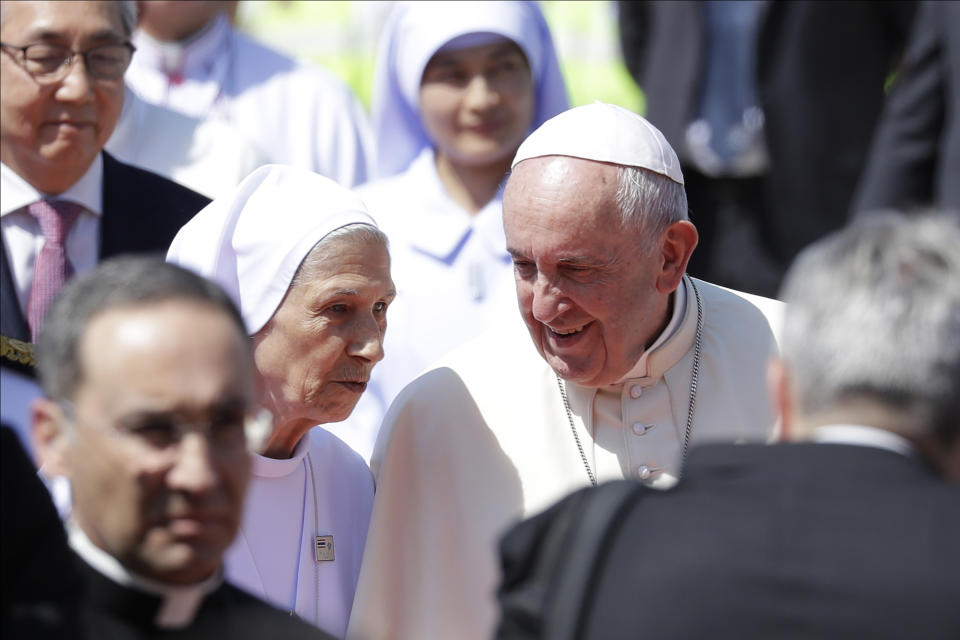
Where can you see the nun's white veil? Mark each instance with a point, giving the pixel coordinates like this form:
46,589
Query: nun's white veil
251,240
415,31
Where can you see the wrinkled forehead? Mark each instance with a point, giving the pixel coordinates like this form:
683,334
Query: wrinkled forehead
559,177
554,193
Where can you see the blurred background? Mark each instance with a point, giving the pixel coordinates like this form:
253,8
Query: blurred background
342,37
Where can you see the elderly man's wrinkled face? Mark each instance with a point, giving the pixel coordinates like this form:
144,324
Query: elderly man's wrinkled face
315,354
154,442
588,296
477,103
57,127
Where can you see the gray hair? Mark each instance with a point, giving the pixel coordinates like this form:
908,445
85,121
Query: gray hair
873,314
320,252
127,281
649,202
128,14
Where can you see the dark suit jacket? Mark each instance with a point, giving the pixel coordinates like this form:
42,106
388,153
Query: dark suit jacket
820,78
142,212
115,612
915,159
781,541
40,591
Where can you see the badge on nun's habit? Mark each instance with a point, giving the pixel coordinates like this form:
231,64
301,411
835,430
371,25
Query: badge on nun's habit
323,546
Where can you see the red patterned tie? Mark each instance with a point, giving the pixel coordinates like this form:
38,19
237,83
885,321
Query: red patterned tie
51,268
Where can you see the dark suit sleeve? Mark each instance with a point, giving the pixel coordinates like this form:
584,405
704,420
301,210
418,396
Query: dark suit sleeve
903,159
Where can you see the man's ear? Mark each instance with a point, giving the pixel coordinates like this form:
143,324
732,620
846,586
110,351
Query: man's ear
778,387
50,437
676,247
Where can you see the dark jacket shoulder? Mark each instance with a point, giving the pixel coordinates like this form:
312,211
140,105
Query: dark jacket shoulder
142,211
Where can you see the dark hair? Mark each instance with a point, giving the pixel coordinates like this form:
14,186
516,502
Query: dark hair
126,281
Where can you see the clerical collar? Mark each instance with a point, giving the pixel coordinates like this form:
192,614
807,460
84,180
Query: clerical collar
195,52
863,435
639,370
265,467
179,604
17,193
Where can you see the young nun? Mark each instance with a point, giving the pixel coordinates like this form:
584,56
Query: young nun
311,275
458,86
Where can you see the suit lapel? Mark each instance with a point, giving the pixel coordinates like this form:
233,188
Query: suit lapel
13,324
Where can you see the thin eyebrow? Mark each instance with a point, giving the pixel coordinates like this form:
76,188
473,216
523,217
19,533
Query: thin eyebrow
580,261
350,293
505,50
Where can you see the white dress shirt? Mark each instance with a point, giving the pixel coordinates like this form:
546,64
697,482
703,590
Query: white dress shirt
22,237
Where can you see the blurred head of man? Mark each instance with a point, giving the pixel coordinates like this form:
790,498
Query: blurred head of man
598,246
176,20
149,386
61,86
872,335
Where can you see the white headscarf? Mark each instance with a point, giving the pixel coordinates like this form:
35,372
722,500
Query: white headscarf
251,240
605,133
415,31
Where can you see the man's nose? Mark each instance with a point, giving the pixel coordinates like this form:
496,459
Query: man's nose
77,85
549,300
193,470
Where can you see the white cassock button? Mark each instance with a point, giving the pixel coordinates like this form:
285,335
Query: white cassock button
647,471
635,391
641,428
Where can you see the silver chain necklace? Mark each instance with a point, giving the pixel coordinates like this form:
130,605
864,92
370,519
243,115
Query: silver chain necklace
690,407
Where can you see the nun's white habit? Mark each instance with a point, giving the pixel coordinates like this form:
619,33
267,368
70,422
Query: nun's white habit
251,243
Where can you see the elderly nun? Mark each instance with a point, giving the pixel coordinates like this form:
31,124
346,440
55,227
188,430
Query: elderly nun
310,272
457,87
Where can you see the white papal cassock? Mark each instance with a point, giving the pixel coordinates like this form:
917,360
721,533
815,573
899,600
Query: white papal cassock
483,440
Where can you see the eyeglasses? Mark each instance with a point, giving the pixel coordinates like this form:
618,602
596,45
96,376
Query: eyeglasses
52,63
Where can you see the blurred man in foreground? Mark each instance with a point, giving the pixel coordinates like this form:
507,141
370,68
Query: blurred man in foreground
148,378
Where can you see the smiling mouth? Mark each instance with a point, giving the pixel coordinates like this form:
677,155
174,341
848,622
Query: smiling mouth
564,333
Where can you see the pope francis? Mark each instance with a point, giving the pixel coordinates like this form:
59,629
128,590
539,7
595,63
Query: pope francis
627,362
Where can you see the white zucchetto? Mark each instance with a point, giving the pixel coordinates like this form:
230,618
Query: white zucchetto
604,133
252,240
415,31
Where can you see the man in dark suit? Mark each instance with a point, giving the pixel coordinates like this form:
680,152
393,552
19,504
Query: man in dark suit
149,410
915,158
851,533
61,95
771,107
